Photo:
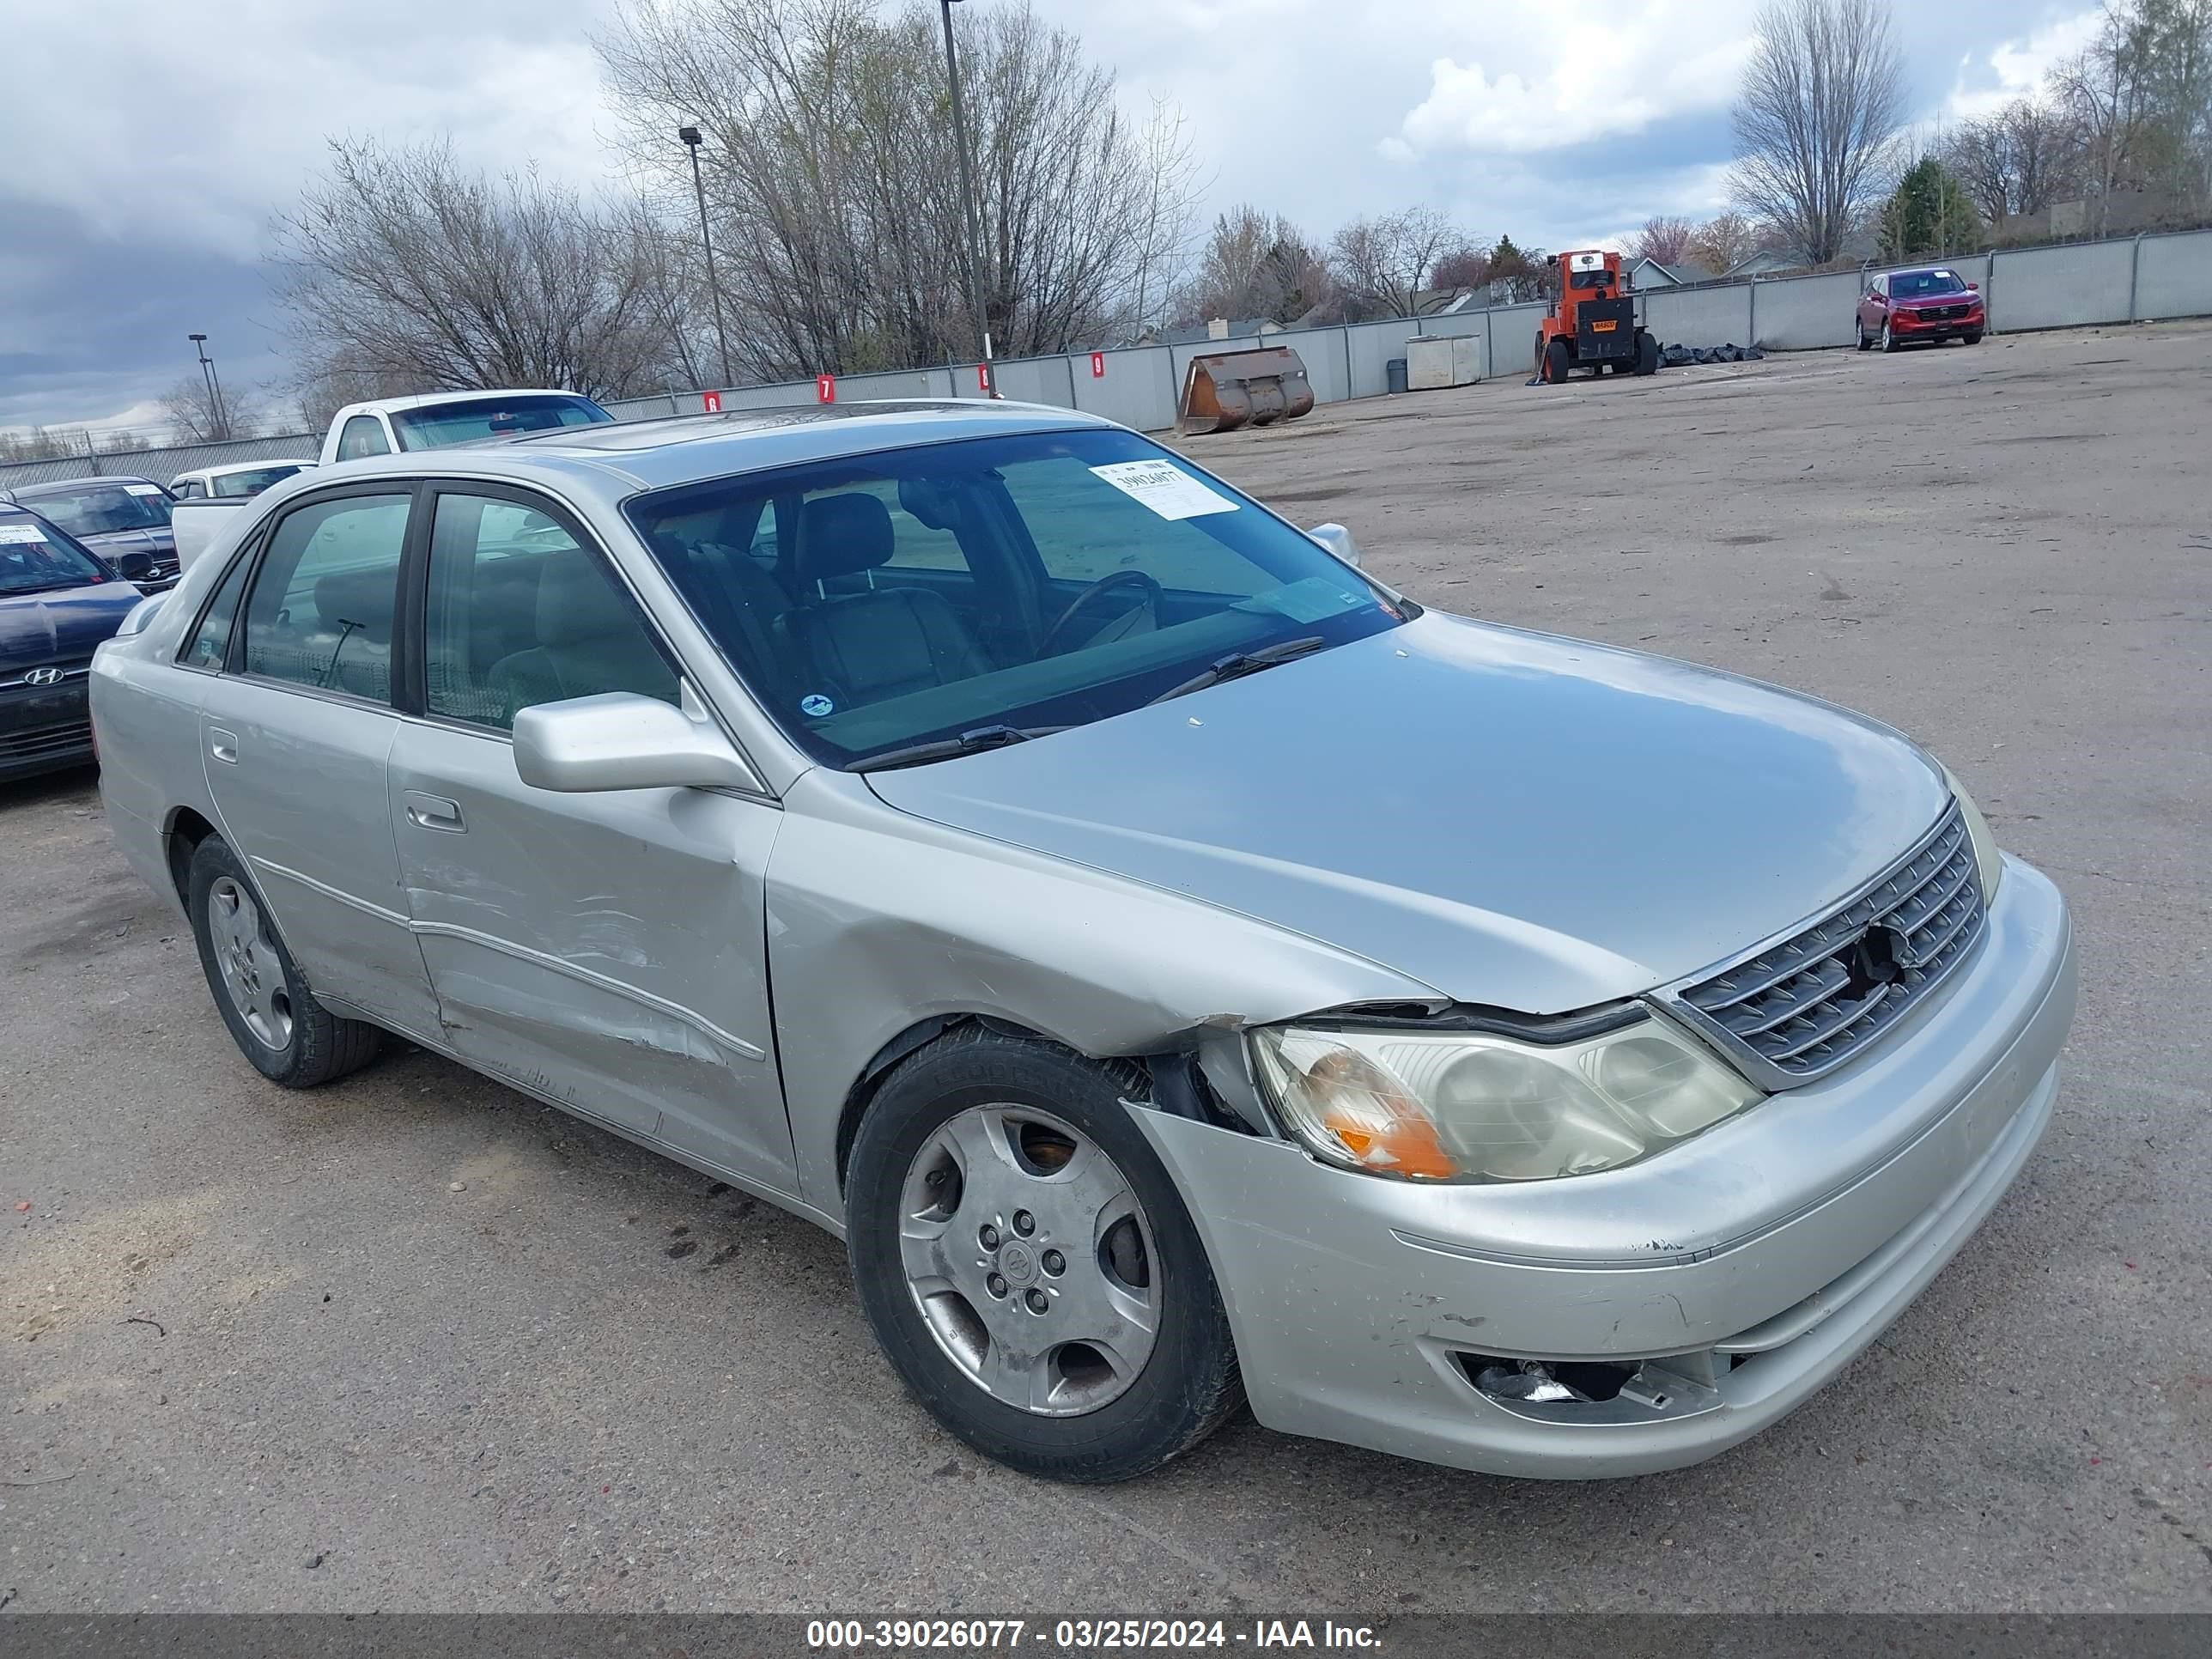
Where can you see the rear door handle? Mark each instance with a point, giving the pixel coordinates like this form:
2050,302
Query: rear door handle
223,745
434,812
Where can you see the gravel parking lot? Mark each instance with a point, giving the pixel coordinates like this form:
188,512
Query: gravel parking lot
415,1341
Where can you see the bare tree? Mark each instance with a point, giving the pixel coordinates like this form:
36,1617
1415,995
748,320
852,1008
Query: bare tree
1665,238
1385,262
401,268
2018,159
1467,265
1722,241
193,414
1822,97
1252,264
834,185
2140,93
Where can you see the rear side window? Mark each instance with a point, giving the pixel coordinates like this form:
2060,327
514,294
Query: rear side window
186,490
363,435
209,645
521,613
321,609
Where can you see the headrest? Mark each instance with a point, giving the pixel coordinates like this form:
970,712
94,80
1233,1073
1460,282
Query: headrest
364,598
575,601
840,535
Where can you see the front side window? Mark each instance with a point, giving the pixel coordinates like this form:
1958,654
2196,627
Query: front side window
1046,579
521,613
36,558
436,425
321,609
363,435
209,645
94,509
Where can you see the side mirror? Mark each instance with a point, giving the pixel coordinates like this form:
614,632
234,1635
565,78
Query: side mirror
1336,539
620,740
1974,288
135,567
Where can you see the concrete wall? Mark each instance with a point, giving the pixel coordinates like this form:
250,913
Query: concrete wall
1700,316
2174,277
2061,287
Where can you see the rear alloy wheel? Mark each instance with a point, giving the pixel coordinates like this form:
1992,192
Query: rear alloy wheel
1858,327
1557,362
273,1017
1028,1266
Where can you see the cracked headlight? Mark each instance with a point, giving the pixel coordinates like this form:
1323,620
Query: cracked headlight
1435,1106
1989,862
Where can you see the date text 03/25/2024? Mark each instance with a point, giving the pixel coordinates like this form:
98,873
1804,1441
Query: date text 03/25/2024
1085,1634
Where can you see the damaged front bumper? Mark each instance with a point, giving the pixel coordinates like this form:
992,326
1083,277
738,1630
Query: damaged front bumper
1718,1285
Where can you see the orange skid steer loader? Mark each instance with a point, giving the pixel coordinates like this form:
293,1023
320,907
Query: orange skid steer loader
1592,321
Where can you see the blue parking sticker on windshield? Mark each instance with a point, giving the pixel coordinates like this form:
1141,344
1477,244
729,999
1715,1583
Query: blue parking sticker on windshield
816,705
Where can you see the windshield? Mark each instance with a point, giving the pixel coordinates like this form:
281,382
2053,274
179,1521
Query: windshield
436,425
251,482
94,509
34,558
1913,284
1043,579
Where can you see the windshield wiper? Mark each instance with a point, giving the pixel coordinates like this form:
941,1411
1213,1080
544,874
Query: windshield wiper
1238,663
968,742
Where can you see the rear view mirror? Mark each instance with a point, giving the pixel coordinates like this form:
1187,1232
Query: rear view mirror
1337,540
620,740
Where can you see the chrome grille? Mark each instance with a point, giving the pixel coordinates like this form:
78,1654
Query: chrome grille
1800,1006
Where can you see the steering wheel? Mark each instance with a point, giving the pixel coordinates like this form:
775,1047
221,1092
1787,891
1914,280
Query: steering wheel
1150,601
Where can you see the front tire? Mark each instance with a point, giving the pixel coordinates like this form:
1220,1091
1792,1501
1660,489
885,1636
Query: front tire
291,1038
1974,338
1027,1264
1888,340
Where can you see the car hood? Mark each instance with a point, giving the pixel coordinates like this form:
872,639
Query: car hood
61,625
1512,818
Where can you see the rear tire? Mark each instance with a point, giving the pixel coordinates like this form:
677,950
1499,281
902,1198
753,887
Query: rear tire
1647,354
1866,341
996,1175
1557,362
291,1038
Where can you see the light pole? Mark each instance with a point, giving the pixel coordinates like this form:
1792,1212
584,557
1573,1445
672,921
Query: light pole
967,201
689,135
218,420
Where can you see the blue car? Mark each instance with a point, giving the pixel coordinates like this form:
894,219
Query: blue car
59,600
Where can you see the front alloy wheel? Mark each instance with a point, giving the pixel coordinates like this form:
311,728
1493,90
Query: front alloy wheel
1026,1263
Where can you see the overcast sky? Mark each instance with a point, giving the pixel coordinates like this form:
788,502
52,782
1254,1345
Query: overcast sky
149,143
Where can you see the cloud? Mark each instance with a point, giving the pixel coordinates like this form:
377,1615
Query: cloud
1584,78
2016,67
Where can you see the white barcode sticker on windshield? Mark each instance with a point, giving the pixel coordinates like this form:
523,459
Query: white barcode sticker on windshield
141,489
1167,489
26,535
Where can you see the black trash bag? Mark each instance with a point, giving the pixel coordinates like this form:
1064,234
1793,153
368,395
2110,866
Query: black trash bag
1752,355
1674,356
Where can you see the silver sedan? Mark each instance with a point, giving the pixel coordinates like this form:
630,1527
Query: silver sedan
1180,968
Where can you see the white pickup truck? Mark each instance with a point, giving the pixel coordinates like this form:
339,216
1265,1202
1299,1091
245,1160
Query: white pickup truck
430,420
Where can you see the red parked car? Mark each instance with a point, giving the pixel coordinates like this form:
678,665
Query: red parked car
1933,304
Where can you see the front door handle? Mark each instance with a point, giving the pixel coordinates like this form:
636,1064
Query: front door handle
223,745
434,812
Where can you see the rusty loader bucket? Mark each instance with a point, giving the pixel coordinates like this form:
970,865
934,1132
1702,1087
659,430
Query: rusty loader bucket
1229,389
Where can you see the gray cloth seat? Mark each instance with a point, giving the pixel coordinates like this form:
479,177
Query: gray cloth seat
589,640
880,644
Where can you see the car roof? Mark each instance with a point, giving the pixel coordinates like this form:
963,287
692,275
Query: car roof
55,486
623,457
421,399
